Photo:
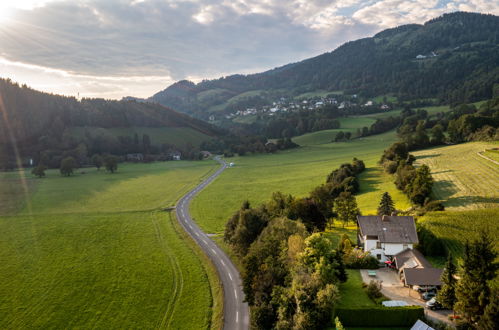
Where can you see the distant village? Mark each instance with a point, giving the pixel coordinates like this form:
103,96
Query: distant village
286,105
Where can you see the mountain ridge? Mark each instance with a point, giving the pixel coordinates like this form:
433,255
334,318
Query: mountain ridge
460,64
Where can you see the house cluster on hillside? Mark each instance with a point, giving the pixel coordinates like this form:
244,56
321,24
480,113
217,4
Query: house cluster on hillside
391,240
284,105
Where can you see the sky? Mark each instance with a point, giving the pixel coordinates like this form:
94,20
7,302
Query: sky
116,48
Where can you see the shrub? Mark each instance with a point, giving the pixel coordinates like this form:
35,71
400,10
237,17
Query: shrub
434,206
390,166
380,316
374,290
358,259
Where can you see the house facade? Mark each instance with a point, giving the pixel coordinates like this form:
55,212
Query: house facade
386,236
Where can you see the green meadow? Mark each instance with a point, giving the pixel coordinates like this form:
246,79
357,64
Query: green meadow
96,250
297,172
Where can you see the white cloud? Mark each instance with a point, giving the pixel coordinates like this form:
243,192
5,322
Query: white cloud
69,83
80,44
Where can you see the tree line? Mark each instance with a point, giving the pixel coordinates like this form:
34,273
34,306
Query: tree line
470,291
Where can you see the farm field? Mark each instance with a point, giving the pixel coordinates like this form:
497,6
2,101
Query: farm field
295,172
179,136
97,251
455,227
463,179
492,154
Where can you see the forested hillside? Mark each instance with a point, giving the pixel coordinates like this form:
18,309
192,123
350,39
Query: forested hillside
453,59
39,122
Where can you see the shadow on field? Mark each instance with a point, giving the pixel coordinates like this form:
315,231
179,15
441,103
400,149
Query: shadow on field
462,201
446,188
369,180
440,172
428,156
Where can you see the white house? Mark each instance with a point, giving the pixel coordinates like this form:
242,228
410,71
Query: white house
385,236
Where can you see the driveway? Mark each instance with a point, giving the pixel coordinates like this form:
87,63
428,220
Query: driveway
393,288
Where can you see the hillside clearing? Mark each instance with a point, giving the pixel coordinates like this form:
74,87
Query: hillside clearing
97,252
463,179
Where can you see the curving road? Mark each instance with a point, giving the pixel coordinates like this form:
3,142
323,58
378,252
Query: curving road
236,311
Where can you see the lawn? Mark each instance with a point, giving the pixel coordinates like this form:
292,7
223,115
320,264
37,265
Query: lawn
97,251
352,293
296,172
463,179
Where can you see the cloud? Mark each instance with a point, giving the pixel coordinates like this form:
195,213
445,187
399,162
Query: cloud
114,42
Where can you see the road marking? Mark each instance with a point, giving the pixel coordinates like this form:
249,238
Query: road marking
230,276
214,251
190,226
223,263
196,234
237,317
235,293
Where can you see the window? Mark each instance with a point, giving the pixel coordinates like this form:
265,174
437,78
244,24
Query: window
378,245
378,256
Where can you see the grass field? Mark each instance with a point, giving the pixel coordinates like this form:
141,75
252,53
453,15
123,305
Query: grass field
352,293
296,172
348,124
179,136
96,251
463,180
455,227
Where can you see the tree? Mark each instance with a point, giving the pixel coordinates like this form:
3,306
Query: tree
39,170
337,324
437,135
419,188
111,163
490,318
97,161
479,267
346,208
339,136
447,295
386,206
68,164
146,143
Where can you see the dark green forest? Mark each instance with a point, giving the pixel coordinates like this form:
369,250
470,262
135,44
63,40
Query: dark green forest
39,125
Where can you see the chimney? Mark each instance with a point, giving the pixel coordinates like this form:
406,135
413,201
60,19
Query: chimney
384,218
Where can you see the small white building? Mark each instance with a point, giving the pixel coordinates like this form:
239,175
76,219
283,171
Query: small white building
385,236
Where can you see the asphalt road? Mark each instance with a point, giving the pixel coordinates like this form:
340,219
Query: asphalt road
236,311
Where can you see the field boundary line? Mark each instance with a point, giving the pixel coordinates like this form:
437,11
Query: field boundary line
487,158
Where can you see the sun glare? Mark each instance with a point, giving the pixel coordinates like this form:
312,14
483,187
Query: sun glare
5,12
8,8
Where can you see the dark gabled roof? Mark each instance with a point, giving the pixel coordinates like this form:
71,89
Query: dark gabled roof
422,276
411,254
389,229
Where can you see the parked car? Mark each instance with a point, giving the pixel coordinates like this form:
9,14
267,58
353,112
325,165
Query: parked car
433,304
422,289
428,295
